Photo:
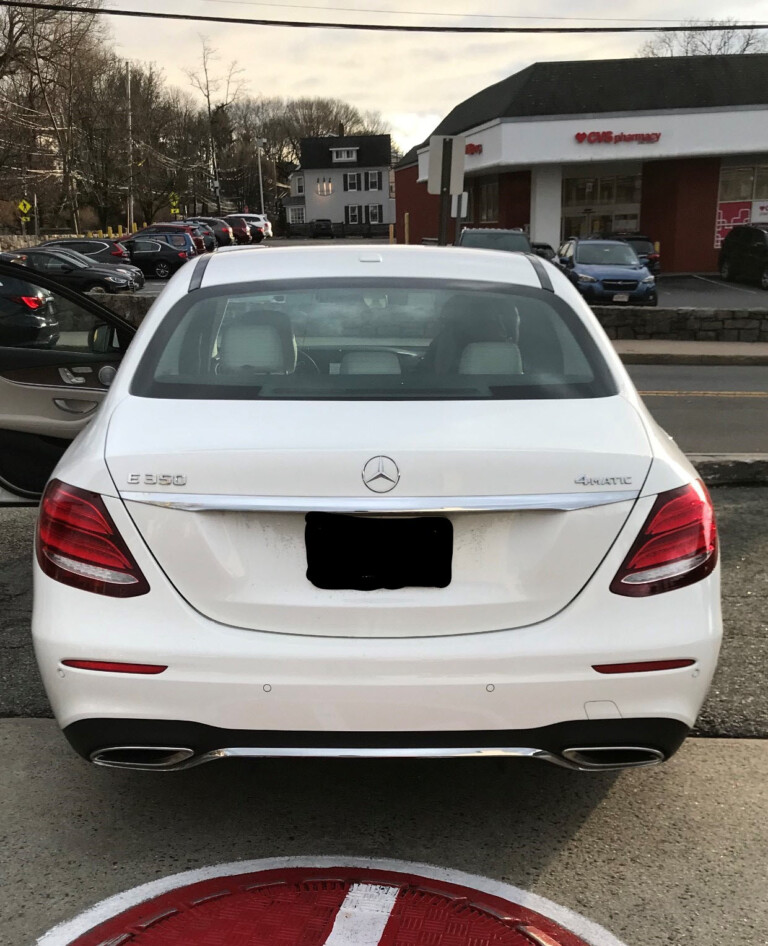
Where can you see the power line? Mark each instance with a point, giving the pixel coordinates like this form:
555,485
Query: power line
457,16
372,27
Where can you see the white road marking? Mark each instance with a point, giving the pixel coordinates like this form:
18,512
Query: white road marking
363,915
64,933
723,285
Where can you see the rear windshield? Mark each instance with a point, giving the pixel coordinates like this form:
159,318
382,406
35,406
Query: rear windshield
641,246
606,254
377,339
496,240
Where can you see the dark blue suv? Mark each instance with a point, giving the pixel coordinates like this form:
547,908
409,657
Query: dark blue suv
607,272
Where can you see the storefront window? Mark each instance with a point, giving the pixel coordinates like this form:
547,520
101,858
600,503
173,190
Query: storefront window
628,189
607,190
626,223
488,201
761,183
736,183
579,190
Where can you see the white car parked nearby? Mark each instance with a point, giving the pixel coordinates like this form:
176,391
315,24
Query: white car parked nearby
398,501
259,220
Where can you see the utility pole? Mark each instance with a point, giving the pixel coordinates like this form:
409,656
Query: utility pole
129,214
260,142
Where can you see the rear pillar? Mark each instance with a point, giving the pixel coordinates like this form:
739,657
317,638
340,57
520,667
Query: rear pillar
546,204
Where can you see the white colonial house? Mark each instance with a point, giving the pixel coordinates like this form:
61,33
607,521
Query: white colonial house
345,179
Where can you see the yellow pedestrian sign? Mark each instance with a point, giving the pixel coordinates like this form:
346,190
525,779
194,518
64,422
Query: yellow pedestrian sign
24,206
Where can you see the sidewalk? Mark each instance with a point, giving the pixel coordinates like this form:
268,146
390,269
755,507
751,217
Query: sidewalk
660,856
662,352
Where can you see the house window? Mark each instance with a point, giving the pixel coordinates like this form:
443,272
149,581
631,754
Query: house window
324,187
344,154
488,201
353,213
375,214
352,181
373,180
299,186
295,215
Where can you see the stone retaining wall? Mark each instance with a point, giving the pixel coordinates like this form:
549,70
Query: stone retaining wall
715,325
699,325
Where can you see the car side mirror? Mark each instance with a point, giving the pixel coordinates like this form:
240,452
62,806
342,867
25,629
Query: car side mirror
103,339
66,269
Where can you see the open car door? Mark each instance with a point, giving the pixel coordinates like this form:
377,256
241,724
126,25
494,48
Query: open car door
59,352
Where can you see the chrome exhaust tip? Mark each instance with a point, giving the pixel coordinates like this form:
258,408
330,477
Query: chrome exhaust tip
143,758
606,758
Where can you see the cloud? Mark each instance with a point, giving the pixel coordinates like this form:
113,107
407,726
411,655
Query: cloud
412,79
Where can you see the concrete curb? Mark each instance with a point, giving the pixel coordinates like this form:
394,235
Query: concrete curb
671,358
732,469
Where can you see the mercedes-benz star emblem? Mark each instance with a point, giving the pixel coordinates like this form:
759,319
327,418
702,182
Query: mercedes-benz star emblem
381,474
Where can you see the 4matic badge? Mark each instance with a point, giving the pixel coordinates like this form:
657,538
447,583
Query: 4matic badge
604,481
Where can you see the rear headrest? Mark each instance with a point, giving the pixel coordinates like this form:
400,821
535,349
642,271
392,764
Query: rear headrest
261,341
491,358
370,362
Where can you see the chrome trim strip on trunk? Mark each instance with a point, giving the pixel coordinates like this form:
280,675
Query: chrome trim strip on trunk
365,505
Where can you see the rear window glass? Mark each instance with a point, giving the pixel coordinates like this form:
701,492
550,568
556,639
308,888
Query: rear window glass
641,246
606,254
377,339
499,240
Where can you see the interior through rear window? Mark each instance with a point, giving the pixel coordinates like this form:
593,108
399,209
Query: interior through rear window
385,339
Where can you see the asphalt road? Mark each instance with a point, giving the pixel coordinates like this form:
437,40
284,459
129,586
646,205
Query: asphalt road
708,409
709,292
737,705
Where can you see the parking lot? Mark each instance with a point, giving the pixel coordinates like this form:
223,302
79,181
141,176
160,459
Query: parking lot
660,856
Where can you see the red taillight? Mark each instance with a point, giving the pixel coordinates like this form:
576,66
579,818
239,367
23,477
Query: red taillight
78,544
118,251
677,545
183,254
31,302
110,666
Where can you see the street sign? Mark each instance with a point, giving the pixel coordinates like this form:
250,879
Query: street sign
459,205
175,210
436,164
25,219
24,206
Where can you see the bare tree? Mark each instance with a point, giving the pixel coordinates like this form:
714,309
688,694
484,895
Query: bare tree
731,39
219,92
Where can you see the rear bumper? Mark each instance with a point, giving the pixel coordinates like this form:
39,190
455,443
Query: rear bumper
92,739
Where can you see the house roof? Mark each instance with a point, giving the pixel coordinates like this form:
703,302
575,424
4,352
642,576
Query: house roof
594,86
372,151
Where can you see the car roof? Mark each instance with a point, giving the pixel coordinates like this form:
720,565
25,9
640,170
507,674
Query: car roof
294,262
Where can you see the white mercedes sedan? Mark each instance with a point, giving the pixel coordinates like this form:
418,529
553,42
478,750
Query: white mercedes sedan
365,502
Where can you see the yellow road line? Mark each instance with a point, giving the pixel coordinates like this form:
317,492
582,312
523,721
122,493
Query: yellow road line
704,393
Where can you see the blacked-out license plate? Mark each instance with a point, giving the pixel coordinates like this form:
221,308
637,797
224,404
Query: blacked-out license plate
366,553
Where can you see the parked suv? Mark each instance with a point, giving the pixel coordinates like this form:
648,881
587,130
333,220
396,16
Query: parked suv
744,255
489,238
607,272
221,229
643,246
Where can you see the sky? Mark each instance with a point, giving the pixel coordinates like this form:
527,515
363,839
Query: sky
412,79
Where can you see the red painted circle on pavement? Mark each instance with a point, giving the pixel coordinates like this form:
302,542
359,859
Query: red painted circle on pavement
335,906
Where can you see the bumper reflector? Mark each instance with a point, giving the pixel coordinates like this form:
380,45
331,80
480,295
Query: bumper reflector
644,666
109,666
